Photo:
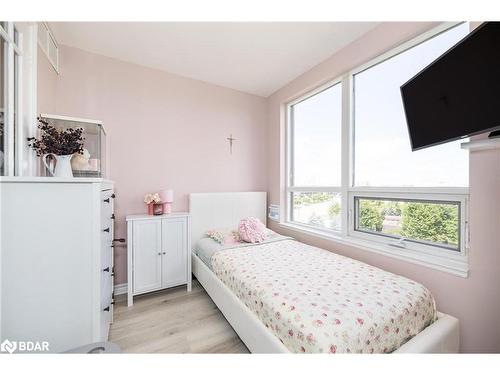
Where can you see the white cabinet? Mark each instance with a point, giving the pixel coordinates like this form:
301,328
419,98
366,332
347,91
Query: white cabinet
56,281
146,245
175,256
158,255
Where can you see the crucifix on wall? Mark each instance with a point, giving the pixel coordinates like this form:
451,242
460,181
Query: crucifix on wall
231,140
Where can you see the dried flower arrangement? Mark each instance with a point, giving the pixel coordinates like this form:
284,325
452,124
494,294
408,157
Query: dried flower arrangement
153,201
58,142
152,198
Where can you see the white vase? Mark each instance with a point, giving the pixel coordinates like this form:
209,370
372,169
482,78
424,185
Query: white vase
62,167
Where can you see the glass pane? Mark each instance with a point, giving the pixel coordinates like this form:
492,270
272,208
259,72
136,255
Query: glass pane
319,209
383,155
92,163
42,35
316,139
2,104
421,221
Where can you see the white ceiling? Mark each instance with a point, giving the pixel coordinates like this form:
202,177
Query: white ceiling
258,58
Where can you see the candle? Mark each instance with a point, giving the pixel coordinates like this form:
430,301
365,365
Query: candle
167,196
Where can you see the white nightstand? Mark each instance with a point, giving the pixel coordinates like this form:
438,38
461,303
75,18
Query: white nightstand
157,253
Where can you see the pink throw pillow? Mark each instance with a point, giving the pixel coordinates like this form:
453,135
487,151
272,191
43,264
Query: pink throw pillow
252,230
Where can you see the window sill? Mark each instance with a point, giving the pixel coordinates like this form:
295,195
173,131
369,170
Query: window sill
457,265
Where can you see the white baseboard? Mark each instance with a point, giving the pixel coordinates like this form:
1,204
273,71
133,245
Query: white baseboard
120,289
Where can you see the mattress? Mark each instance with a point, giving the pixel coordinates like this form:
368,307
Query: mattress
206,247
316,301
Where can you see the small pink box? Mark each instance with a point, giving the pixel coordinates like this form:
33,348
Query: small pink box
94,165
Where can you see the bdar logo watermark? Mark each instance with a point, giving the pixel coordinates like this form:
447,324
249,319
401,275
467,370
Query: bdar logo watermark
8,346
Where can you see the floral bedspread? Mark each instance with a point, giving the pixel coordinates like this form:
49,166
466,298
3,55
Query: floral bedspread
316,301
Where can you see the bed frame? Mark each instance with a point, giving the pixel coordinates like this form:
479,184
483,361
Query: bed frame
222,210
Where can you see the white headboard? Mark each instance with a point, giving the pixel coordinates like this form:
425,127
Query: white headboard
223,210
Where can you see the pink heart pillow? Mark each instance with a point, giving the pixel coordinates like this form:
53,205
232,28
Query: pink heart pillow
252,230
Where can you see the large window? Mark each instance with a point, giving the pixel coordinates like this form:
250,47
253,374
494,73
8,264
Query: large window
315,162
382,152
351,173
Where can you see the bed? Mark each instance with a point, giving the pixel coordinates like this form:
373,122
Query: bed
283,296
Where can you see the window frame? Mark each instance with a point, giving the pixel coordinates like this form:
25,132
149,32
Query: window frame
47,42
13,90
452,261
20,97
290,188
460,199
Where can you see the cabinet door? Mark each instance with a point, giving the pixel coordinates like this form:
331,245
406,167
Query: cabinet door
174,238
147,255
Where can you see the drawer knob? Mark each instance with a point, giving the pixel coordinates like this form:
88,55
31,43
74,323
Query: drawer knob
106,230
113,196
106,200
164,253
106,269
159,253
106,309
113,217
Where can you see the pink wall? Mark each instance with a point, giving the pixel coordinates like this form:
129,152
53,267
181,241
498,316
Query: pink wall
46,85
475,300
163,130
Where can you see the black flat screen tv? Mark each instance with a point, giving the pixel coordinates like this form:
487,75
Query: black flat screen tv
458,95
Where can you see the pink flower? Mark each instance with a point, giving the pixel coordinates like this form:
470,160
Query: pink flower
310,338
360,321
333,349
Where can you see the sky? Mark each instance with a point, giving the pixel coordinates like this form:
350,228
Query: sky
383,155
317,126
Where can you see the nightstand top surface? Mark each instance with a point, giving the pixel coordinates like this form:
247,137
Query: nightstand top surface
150,217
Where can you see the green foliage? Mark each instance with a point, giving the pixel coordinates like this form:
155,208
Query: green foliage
392,208
310,198
371,214
334,210
431,222
419,221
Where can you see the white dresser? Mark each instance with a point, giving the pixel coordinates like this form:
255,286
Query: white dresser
56,260
157,253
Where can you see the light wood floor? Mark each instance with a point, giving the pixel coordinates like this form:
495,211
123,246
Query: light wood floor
173,321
